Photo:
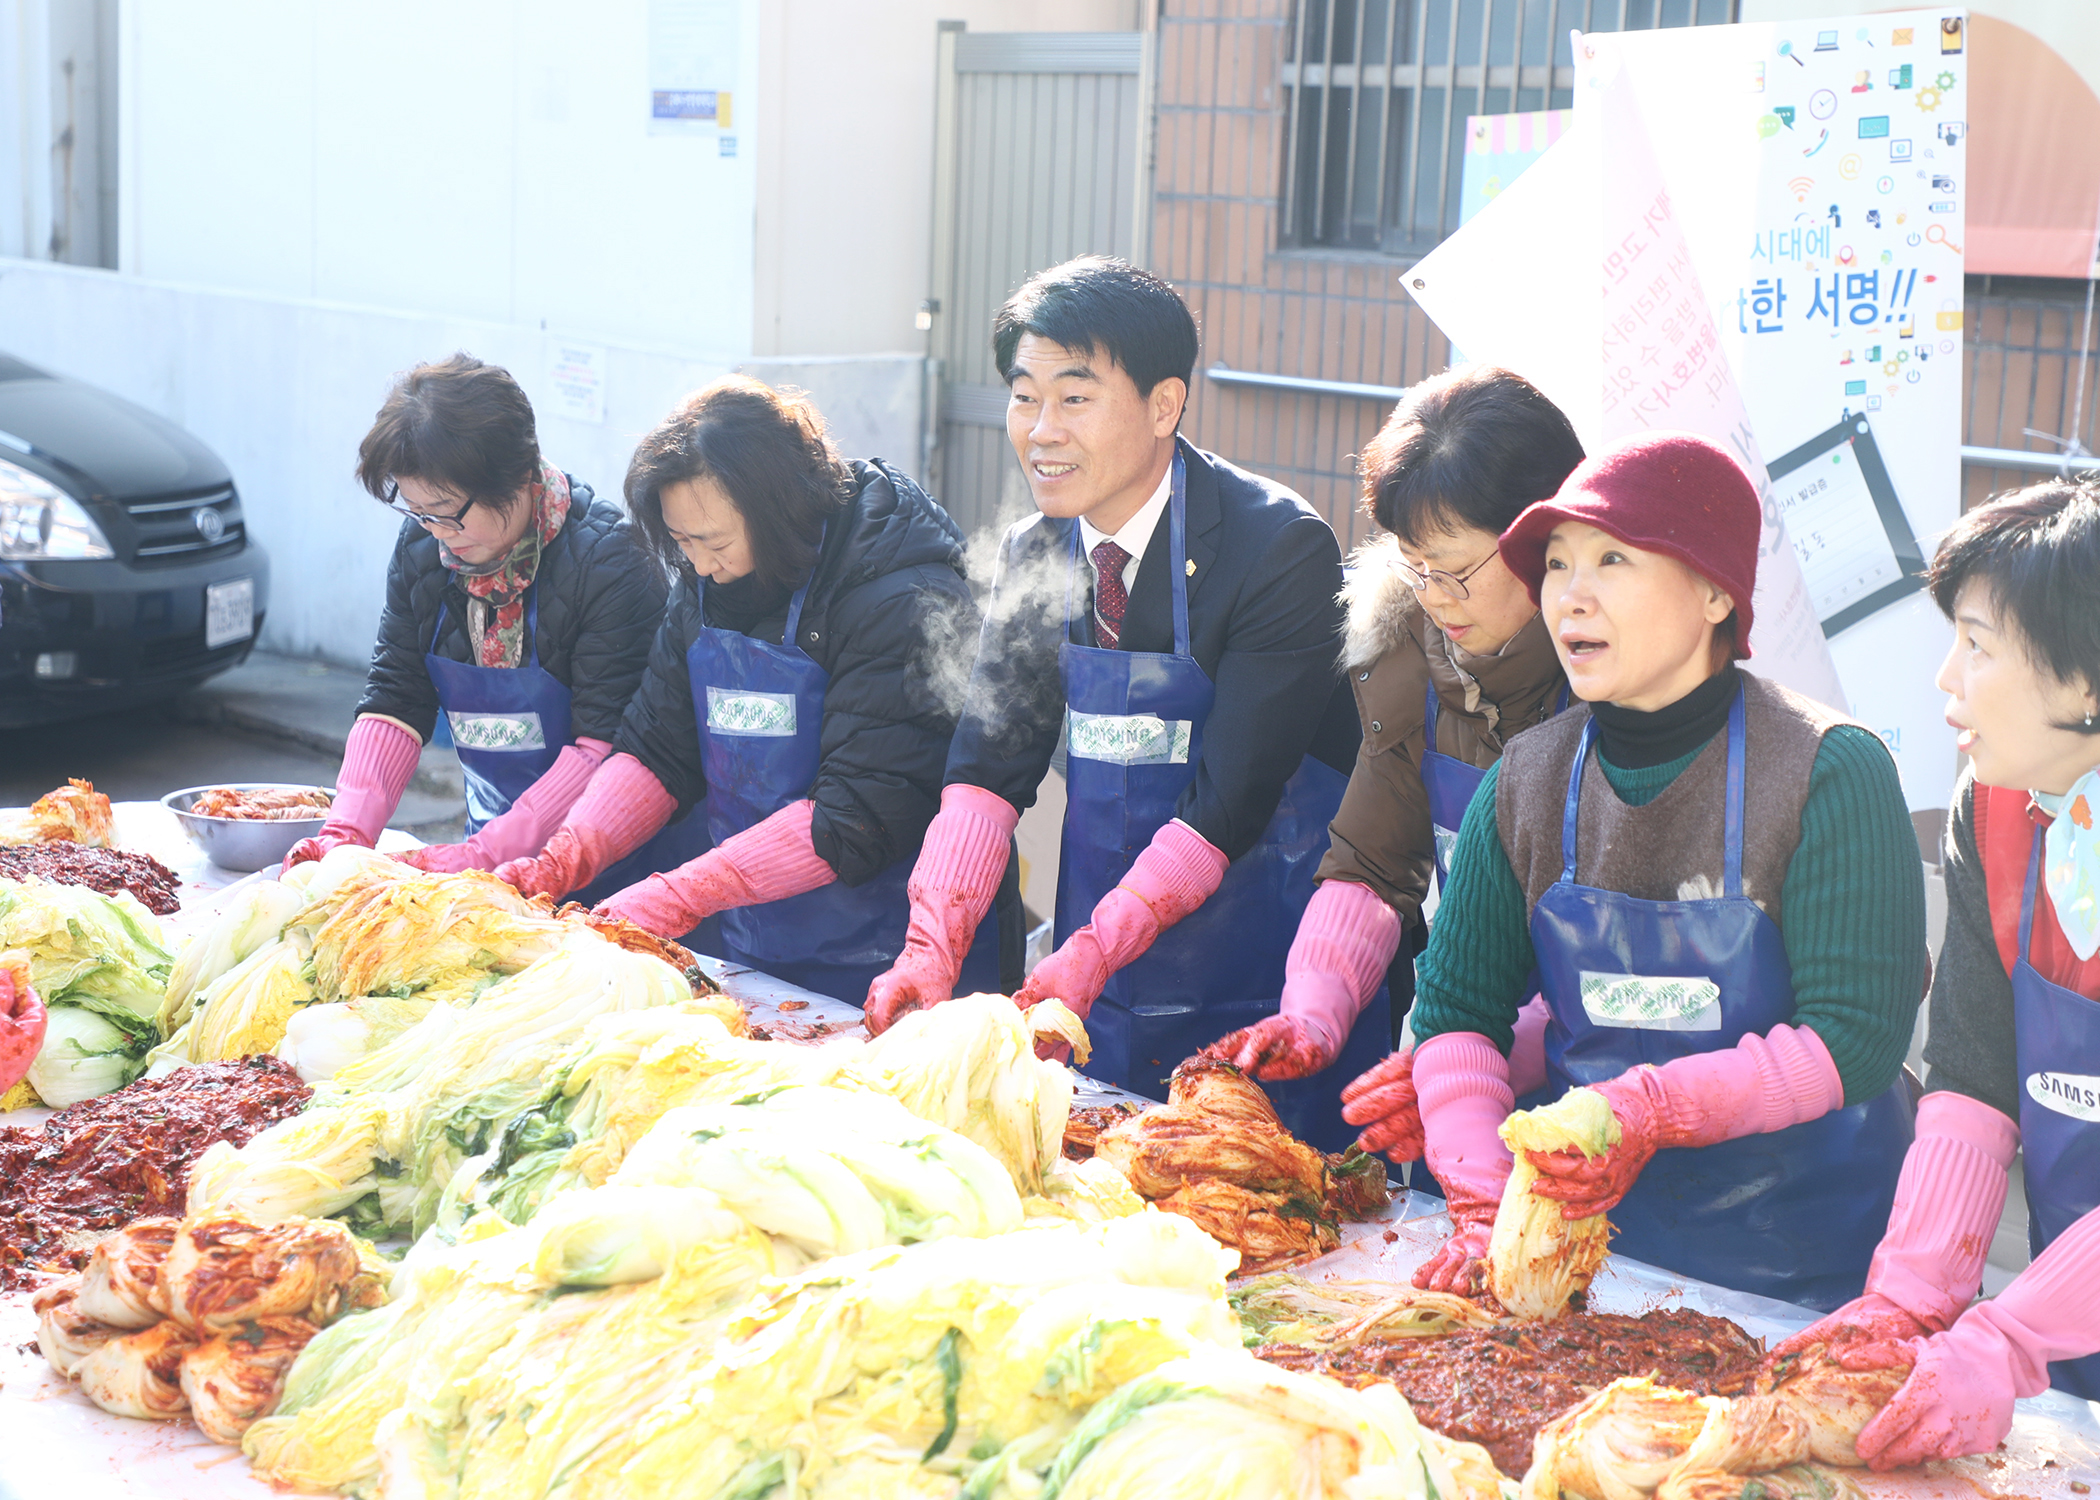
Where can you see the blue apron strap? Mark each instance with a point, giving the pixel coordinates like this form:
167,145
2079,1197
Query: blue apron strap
2034,872
1732,830
795,603
1569,814
439,628
1429,712
1072,584
1179,530
532,625
1565,693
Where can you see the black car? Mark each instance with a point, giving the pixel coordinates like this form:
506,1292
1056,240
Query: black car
126,572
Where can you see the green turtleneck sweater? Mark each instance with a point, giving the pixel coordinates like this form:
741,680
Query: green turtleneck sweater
1852,912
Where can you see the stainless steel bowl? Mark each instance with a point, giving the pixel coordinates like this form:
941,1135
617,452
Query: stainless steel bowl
243,843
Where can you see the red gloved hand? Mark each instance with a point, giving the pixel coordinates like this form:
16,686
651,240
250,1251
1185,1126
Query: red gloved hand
952,886
318,846
1274,1047
1385,1103
1586,1185
1171,877
1867,1333
1460,1263
21,1027
1958,1400
563,866
769,861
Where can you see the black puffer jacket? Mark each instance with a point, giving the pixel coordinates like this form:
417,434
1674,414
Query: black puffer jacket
890,619
598,594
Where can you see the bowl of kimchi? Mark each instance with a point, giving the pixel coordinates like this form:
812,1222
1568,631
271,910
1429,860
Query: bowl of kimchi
249,825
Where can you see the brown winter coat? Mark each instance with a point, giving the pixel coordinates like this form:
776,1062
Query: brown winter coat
1392,650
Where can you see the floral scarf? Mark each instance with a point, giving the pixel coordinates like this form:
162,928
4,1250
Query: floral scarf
497,629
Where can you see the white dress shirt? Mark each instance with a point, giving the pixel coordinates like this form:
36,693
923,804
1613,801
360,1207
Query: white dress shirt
1136,532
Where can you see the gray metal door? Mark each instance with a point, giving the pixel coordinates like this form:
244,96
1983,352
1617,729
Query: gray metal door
1043,144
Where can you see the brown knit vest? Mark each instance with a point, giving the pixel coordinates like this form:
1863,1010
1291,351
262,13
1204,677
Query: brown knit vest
1671,849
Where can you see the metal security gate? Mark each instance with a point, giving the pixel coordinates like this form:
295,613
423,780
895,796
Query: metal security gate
1042,152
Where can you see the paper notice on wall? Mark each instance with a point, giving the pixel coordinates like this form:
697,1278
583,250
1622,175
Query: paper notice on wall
575,381
695,49
1622,340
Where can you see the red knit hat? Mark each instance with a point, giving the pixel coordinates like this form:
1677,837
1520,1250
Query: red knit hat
1670,492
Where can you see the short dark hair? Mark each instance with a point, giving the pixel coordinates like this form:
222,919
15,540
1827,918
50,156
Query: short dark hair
770,454
1470,447
460,425
2037,551
1100,302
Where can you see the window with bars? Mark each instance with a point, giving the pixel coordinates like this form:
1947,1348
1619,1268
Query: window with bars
1378,92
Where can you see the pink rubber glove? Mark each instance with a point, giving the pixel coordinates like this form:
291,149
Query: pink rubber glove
1929,1263
618,812
21,1027
378,759
1171,877
1463,1081
952,885
1345,942
526,824
1384,1098
1383,1101
767,862
1761,1084
1959,1398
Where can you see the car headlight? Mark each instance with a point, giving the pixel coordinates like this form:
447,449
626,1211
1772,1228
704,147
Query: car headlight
39,521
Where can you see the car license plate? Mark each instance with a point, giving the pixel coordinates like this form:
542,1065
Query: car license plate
229,612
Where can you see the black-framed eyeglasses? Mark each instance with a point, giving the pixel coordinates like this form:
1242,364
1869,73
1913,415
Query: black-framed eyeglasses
452,524
1453,584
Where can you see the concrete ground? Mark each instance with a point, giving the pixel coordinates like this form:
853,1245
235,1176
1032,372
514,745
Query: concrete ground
272,719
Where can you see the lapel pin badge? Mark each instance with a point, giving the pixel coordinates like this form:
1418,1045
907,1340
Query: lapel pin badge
1192,567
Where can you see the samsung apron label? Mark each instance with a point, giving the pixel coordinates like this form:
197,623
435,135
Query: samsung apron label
2073,1094
1648,1002
1128,739
736,711
497,731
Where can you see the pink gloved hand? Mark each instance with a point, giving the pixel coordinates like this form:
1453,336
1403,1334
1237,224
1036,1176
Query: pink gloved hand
378,759
617,813
1383,1101
952,885
1761,1084
1463,1083
21,1026
520,829
1959,1397
1345,941
1929,1263
1527,1053
769,861
1171,877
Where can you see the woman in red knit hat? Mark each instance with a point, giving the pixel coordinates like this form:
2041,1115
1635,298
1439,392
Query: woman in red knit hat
1718,882
2013,1052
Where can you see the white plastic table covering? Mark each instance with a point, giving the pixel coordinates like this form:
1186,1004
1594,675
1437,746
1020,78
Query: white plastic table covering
56,1445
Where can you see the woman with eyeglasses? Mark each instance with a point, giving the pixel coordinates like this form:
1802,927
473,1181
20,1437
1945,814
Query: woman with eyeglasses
1448,659
1713,882
519,605
796,693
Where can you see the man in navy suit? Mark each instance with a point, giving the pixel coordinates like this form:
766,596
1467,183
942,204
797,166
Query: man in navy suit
1175,618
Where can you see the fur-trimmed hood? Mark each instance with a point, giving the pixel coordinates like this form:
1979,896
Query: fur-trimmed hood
1382,605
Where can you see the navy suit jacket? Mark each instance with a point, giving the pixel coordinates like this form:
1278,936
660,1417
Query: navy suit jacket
1265,625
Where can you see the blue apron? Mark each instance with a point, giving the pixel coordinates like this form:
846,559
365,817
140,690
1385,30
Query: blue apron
1450,784
2056,1032
759,709
1794,1214
1134,727
509,724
